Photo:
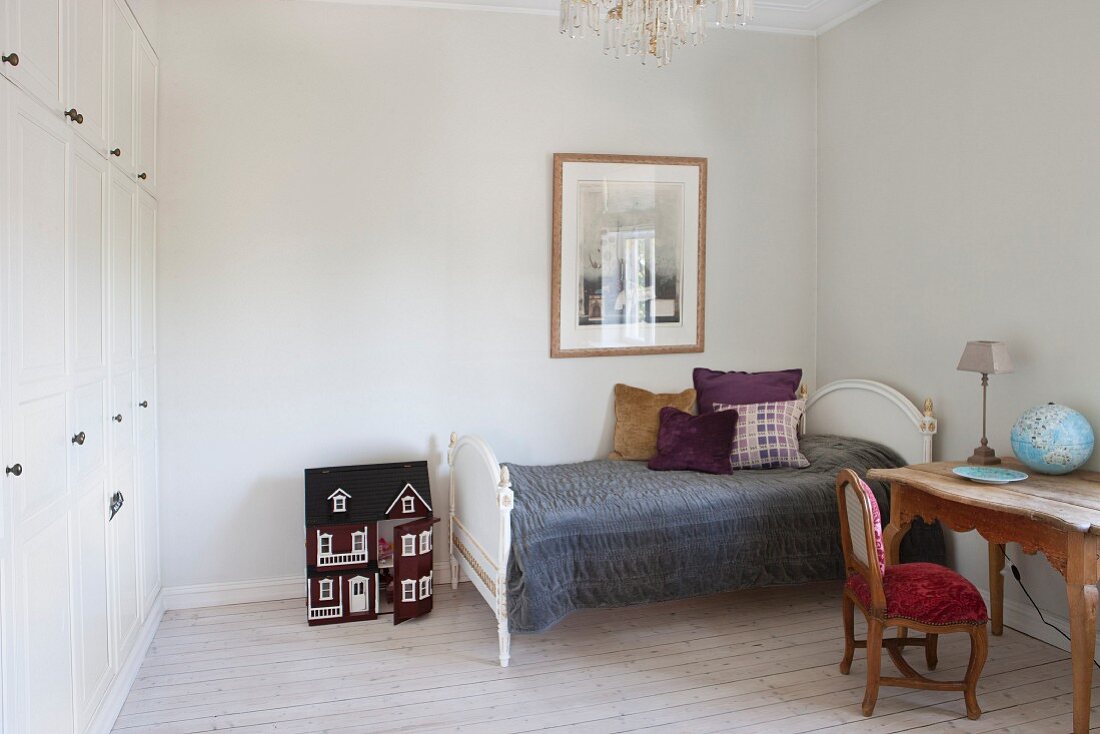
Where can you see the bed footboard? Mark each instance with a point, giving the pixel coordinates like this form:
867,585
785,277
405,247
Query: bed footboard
481,526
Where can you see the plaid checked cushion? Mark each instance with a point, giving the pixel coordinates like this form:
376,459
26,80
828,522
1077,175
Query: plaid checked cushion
766,435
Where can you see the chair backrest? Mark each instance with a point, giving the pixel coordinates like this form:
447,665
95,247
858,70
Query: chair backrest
861,533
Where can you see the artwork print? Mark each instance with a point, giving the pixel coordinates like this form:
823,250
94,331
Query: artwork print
628,255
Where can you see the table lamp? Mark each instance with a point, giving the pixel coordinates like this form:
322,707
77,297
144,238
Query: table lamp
988,358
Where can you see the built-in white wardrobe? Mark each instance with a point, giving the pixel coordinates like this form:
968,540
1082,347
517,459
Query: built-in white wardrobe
79,559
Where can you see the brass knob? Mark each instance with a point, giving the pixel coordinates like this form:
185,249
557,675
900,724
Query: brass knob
15,469
143,404
116,152
143,175
75,116
117,418
78,439
12,58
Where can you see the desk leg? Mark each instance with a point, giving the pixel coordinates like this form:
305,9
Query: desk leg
893,533
1082,594
996,589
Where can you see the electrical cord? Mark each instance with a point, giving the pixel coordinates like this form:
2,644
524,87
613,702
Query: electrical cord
1016,575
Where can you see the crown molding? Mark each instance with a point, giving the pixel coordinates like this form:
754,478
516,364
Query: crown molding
788,17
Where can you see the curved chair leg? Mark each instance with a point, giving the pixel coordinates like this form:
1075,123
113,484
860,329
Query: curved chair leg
930,650
874,665
847,611
978,648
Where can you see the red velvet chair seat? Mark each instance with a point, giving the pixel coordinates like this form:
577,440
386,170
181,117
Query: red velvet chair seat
926,593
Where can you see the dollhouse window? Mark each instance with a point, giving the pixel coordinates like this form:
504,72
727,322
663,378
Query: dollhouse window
425,587
408,504
408,590
358,542
325,590
408,545
426,541
338,504
324,544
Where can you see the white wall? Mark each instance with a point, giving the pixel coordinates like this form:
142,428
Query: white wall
959,175
355,244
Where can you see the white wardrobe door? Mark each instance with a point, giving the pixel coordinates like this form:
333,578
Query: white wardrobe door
123,198
87,87
146,115
121,127
34,34
89,214
38,253
126,594
147,273
91,621
122,415
149,504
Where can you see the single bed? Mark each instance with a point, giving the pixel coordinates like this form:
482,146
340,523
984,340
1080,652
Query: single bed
541,541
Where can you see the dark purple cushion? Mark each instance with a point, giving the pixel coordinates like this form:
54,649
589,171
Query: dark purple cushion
694,442
742,388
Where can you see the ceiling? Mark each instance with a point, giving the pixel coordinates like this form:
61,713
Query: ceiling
804,17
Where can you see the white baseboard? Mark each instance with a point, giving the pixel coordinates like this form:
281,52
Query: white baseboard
1023,618
104,719
245,592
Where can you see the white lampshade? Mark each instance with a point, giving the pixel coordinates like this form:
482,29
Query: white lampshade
989,358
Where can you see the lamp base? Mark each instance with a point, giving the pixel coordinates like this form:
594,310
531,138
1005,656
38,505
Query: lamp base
984,456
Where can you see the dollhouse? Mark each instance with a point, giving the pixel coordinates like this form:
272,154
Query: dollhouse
368,542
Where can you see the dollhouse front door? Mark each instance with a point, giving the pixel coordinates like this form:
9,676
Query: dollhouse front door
412,583
357,595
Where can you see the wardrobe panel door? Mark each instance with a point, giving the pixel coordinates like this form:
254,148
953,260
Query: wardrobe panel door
123,532
87,446
87,87
149,503
39,165
34,34
122,414
89,173
122,199
40,441
43,627
146,116
120,130
147,273
91,626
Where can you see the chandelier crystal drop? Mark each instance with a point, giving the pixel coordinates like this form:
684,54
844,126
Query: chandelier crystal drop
650,27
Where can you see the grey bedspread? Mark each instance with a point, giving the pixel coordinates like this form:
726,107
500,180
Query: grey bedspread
614,533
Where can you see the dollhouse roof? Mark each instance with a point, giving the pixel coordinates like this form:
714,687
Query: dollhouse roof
371,490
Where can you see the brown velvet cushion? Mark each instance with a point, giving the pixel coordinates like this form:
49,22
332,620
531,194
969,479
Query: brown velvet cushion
638,419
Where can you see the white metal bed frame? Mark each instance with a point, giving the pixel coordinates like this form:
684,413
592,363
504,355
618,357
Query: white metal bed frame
482,499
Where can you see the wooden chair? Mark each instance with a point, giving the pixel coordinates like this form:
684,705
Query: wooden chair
925,597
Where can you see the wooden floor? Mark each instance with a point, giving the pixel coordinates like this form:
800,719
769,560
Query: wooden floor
756,661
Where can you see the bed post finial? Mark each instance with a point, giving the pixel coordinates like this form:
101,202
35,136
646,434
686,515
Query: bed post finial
451,448
803,391
928,423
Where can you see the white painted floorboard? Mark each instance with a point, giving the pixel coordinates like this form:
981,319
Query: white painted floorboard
751,661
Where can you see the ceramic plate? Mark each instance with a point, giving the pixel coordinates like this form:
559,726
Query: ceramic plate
989,474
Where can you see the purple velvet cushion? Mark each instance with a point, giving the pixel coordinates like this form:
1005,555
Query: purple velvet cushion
695,442
742,388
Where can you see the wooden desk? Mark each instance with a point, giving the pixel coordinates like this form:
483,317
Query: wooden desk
1056,516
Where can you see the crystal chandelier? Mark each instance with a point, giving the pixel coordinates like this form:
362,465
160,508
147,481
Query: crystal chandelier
649,27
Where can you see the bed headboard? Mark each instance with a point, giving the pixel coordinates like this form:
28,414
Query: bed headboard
875,412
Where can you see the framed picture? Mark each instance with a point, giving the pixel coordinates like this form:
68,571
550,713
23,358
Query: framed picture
629,255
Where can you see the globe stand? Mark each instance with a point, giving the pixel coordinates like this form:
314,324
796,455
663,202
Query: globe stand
984,455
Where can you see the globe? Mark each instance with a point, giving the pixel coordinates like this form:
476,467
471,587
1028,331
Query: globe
1053,439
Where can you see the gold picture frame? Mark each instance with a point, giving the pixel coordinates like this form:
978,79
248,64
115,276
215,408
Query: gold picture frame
628,256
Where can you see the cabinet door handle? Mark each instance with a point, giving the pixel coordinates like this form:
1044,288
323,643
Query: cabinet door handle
12,58
15,469
78,439
143,176
117,418
143,404
116,152
75,116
